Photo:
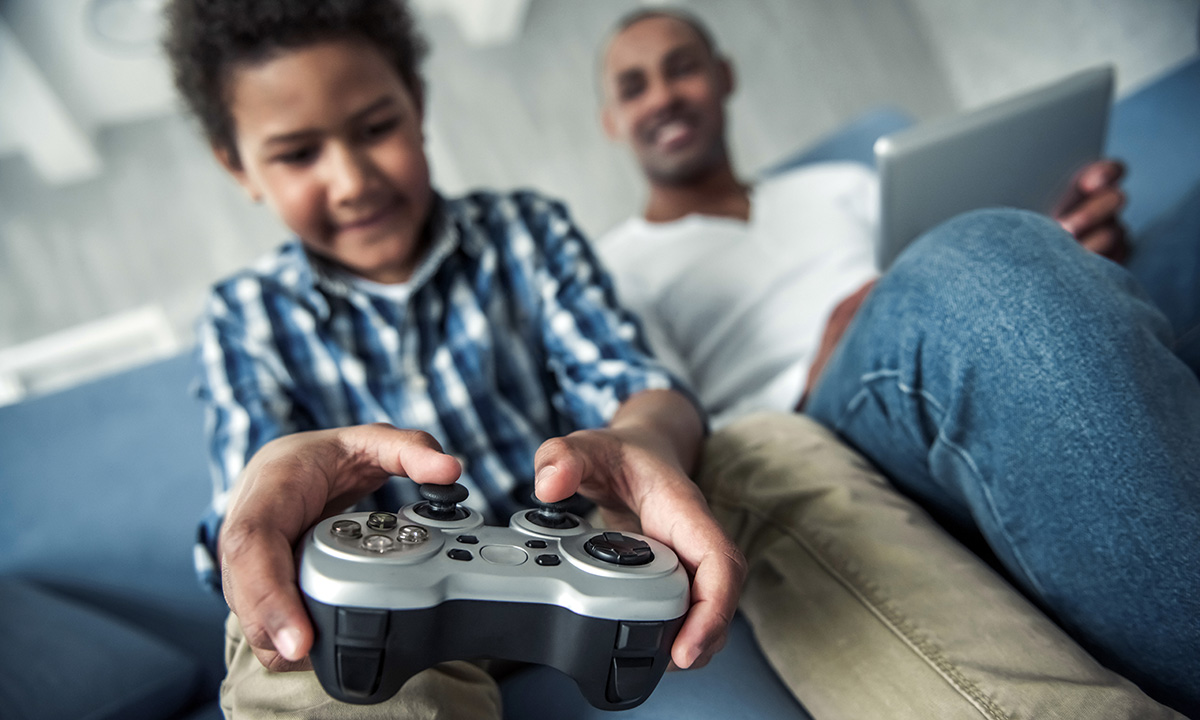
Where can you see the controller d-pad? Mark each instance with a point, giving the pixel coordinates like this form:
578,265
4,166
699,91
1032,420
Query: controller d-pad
613,547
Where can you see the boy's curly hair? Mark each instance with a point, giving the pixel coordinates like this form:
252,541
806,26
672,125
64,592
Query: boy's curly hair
207,39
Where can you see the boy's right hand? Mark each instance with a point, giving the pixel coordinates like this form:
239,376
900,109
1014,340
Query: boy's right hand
289,485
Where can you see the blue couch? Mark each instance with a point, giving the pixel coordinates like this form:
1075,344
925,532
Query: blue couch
100,614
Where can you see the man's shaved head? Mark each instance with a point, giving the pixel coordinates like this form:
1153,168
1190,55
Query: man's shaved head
664,88
687,18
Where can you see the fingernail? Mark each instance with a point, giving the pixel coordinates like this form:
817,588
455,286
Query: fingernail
543,475
287,642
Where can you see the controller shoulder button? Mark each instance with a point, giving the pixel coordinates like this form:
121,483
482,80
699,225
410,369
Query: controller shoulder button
645,636
358,670
356,624
631,678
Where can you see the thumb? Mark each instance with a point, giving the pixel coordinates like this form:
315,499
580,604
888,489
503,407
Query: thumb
407,453
559,468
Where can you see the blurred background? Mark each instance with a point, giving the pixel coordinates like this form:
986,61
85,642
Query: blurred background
114,218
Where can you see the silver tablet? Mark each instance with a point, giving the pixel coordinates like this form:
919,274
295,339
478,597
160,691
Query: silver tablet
1021,153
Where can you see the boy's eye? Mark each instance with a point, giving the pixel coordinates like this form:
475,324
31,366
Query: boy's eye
381,128
298,156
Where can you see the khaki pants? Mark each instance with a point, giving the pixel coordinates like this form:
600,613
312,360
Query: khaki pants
861,603
450,691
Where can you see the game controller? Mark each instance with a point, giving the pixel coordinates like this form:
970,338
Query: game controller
392,594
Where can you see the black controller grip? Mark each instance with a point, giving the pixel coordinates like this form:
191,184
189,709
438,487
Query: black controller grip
364,656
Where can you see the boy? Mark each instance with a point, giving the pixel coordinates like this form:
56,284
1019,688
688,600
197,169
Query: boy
480,323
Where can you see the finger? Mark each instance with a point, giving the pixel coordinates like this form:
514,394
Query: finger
275,662
1097,209
716,586
1109,241
1100,174
1091,179
260,585
559,468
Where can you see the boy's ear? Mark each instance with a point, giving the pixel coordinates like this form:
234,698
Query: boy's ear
419,96
225,157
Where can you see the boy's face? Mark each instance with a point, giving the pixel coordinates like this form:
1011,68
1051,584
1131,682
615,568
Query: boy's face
330,136
664,94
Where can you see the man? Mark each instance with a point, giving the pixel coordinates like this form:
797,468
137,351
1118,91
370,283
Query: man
1018,387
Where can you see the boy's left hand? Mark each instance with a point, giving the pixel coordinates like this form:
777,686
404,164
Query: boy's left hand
633,469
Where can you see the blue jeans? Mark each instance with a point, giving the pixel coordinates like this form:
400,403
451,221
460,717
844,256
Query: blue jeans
1017,385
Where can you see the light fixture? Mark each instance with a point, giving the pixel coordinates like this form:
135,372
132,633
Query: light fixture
125,25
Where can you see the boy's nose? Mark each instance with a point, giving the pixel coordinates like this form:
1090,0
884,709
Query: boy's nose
349,175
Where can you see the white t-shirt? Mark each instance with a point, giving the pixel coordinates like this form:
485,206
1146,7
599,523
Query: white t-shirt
738,308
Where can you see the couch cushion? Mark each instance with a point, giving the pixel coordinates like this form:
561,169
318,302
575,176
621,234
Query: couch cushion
62,659
103,485
854,141
1154,130
121,458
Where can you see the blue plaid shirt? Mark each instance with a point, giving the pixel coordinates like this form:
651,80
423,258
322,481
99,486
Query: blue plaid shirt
511,334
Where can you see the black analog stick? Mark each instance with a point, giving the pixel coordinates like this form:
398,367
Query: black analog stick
552,515
441,502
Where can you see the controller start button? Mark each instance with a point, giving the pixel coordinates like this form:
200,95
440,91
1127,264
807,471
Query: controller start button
503,554
613,547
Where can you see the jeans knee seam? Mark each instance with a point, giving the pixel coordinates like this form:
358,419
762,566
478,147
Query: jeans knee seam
873,597
1000,524
895,375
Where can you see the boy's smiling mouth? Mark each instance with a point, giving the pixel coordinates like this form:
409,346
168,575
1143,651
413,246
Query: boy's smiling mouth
370,220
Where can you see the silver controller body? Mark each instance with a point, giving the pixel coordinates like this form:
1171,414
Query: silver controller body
393,594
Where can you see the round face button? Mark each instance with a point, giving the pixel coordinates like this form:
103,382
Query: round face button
378,543
412,534
347,529
503,554
381,521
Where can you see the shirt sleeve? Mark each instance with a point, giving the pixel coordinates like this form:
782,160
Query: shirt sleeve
596,349
246,405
